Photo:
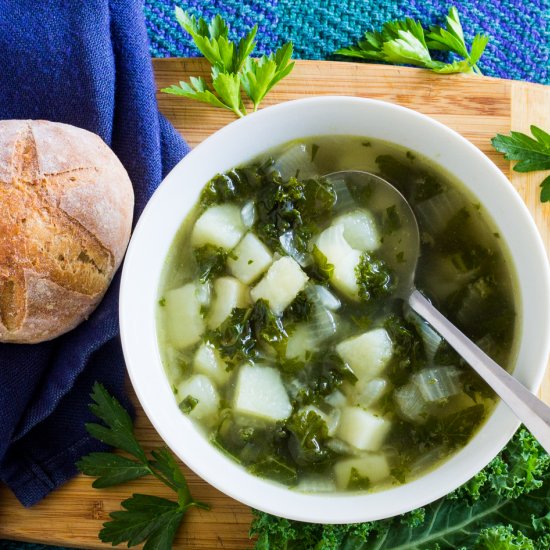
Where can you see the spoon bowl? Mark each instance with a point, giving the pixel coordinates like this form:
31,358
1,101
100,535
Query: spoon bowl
401,247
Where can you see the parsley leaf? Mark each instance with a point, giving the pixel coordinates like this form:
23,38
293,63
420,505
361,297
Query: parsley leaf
146,518
233,70
405,42
532,154
259,76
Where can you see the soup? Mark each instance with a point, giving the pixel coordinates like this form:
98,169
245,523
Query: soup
284,332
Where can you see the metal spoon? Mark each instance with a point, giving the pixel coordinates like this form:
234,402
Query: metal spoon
527,407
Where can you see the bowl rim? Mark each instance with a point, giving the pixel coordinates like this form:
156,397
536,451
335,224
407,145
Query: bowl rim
266,495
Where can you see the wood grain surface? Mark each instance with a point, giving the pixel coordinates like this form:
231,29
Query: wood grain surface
476,107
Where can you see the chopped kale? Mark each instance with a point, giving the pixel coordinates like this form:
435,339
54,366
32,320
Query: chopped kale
374,278
309,433
391,221
298,311
322,269
426,187
235,185
188,404
268,328
357,482
210,261
408,349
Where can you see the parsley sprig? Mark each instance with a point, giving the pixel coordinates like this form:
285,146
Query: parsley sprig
406,42
532,154
148,518
233,70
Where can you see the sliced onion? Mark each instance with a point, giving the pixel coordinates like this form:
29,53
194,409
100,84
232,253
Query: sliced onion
322,296
288,245
344,200
248,214
360,229
410,404
341,447
315,483
368,394
336,399
203,293
438,383
432,339
436,212
323,324
295,161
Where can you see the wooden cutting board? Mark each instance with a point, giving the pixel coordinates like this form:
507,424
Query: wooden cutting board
476,107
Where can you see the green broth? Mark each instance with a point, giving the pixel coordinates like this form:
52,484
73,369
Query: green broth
339,416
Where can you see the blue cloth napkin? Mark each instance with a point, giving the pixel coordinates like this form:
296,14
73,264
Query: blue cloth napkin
86,64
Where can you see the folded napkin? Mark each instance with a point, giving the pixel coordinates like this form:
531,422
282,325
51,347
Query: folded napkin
86,64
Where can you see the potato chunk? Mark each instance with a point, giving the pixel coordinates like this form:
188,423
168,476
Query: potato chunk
183,316
332,244
360,230
202,389
280,284
249,259
207,361
367,354
260,392
373,466
362,429
220,225
344,277
229,293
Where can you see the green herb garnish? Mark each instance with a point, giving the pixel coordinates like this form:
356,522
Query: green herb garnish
406,42
233,70
145,518
504,507
357,482
532,154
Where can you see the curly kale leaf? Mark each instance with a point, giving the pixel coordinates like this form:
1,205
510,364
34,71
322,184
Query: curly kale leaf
505,507
408,349
374,278
210,261
292,205
308,435
236,185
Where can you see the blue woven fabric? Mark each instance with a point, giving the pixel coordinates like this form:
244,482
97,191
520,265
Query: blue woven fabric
87,64
519,30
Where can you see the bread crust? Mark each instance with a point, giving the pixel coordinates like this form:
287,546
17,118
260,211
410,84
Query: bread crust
67,205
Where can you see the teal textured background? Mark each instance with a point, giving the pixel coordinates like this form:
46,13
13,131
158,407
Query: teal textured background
519,46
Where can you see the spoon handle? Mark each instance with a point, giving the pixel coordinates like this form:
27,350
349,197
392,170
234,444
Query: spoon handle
527,407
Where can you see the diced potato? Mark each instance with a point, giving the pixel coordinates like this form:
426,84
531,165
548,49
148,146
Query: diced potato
299,343
249,259
202,389
367,354
366,394
332,244
260,392
360,230
336,399
220,225
344,277
229,293
373,466
331,419
207,361
362,429
183,316
280,284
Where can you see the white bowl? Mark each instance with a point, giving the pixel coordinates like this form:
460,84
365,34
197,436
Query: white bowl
238,143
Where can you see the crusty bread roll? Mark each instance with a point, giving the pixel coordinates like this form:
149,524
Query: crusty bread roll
66,206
